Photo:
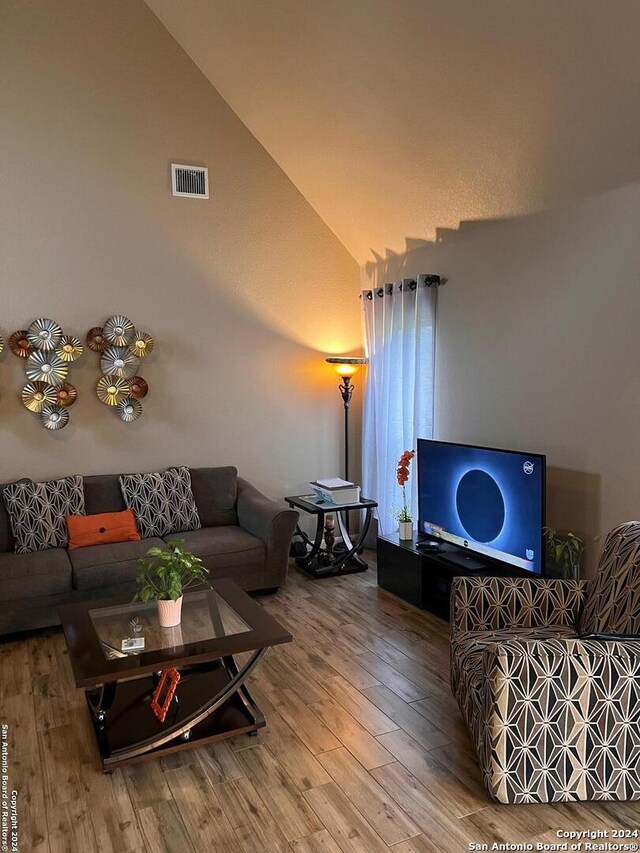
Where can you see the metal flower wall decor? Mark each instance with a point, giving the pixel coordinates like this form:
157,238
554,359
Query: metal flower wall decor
48,354
121,347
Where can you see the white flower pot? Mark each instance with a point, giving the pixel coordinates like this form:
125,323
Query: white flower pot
169,612
405,529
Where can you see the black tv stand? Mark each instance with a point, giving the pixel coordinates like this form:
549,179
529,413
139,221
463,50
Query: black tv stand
421,571
464,560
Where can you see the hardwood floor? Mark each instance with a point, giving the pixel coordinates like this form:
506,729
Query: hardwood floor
364,749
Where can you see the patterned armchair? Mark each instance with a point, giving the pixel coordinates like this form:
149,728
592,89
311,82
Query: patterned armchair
547,676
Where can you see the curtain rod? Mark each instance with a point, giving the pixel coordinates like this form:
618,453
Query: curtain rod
408,283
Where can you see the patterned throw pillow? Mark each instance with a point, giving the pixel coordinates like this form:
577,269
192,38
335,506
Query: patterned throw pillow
37,512
163,502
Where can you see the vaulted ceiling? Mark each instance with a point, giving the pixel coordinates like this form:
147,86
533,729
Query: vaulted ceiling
396,118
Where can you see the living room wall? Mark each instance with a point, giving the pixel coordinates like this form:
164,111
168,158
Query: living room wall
537,348
244,293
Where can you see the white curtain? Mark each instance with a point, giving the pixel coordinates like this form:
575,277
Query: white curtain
399,324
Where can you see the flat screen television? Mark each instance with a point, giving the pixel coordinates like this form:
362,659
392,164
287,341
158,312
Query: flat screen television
490,501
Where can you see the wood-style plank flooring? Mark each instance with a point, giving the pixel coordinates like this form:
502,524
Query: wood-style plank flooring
364,749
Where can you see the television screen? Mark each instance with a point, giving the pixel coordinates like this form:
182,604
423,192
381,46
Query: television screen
489,501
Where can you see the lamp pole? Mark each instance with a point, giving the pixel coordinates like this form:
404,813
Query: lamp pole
346,390
345,368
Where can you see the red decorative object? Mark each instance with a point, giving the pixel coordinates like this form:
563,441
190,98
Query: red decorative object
158,707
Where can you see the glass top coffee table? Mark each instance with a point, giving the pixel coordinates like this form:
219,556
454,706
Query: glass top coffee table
211,701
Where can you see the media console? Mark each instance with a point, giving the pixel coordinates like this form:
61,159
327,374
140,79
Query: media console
423,577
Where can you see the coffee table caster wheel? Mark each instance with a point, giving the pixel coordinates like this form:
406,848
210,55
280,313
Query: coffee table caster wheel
253,734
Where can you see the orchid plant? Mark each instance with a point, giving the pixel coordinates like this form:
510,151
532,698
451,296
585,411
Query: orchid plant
402,476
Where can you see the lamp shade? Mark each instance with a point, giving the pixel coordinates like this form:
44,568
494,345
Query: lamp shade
346,366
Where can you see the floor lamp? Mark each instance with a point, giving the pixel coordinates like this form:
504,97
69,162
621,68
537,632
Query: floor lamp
346,368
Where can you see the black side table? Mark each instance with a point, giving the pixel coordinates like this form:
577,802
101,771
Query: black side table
330,560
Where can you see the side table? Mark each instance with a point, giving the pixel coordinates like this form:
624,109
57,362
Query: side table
325,559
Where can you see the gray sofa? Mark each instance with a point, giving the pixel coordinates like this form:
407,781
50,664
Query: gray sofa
244,536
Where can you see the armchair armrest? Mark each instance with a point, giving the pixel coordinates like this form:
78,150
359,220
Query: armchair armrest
270,521
569,703
491,604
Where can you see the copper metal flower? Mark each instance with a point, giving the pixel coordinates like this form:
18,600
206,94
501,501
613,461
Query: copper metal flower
44,334
119,361
37,395
138,388
54,417
119,331
96,340
46,367
129,409
142,344
69,349
19,344
66,394
111,390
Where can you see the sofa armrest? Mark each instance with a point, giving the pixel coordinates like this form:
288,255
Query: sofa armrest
570,704
263,517
491,604
273,523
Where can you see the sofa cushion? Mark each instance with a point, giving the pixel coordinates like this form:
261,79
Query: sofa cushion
216,492
106,565
612,605
38,510
102,493
225,547
163,502
24,576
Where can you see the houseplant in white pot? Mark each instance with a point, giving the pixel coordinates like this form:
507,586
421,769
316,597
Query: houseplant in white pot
405,522
163,576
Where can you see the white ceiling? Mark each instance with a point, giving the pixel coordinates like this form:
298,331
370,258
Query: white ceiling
398,117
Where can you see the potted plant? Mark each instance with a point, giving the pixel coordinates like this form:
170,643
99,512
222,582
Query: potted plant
163,575
564,550
405,522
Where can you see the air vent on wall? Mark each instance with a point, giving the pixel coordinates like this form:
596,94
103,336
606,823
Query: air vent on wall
190,181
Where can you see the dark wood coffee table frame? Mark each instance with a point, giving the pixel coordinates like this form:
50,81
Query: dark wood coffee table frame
213,701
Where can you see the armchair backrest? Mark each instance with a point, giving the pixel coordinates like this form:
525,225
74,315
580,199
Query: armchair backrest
612,604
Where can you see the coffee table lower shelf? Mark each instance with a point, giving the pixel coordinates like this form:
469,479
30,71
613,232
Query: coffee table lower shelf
128,731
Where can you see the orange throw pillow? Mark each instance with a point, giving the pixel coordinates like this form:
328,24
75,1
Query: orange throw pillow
101,529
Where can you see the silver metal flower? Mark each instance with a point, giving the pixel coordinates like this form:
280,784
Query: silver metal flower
54,417
119,361
119,331
129,409
44,334
46,367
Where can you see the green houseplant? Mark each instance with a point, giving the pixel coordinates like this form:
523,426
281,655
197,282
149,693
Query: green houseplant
164,574
565,551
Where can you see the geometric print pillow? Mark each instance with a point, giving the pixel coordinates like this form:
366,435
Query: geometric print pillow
37,512
162,502
612,605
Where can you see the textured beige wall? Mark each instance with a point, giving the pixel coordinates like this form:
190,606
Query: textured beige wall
398,117
244,293
537,348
